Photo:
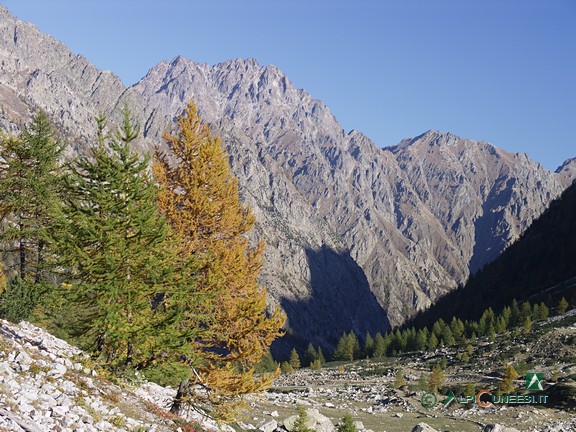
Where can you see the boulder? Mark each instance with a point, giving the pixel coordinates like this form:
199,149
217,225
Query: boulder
423,427
499,428
269,426
316,421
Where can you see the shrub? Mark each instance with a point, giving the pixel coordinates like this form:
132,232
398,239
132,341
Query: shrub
18,300
347,424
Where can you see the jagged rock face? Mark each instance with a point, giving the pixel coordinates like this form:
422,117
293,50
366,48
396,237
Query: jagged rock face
357,237
36,71
568,170
483,196
417,218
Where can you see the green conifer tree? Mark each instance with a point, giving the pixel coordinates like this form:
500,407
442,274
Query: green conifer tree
343,353
316,365
432,341
400,341
470,389
423,383
543,312
500,326
457,328
310,354
267,364
562,306
369,346
447,337
347,424
354,346
525,311
527,327
421,339
286,368
506,315
437,328
117,254
443,363
515,314
321,357
379,346
30,189
301,424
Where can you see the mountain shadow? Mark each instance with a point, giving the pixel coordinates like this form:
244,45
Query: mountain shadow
340,300
539,266
488,241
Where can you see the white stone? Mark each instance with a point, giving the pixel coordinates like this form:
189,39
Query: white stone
103,425
269,426
423,427
59,411
58,369
6,370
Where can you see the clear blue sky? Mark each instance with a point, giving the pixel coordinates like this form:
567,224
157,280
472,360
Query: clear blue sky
502,71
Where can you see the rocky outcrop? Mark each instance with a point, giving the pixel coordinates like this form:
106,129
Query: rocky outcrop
568,170
314,421
358,237
48,385
423,427
499,428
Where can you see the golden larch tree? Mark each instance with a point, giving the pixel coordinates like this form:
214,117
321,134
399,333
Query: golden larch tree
199,197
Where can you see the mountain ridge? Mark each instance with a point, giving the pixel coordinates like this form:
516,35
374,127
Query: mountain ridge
359,237
538,266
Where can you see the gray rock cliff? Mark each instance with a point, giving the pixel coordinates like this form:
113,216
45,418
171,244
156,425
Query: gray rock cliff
417,218
358,237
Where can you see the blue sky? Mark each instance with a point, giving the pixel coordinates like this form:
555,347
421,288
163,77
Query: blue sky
502,71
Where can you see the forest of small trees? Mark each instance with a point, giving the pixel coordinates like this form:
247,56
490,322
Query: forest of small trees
147,270
516,318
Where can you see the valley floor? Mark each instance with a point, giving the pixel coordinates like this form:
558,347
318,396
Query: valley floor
49,385
365,389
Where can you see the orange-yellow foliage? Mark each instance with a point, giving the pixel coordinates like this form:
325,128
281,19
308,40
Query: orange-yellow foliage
199,197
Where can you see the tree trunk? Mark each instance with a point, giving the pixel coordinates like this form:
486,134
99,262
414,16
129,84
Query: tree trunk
39,261
22,260
181,395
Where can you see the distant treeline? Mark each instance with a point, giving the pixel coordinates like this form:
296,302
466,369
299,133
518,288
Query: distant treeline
516,318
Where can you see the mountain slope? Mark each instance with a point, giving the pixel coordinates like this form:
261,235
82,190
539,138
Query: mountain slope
540,265
416,217
358,237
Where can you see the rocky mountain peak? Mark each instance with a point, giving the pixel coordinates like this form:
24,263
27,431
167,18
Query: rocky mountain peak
568,169
257,98
358,237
